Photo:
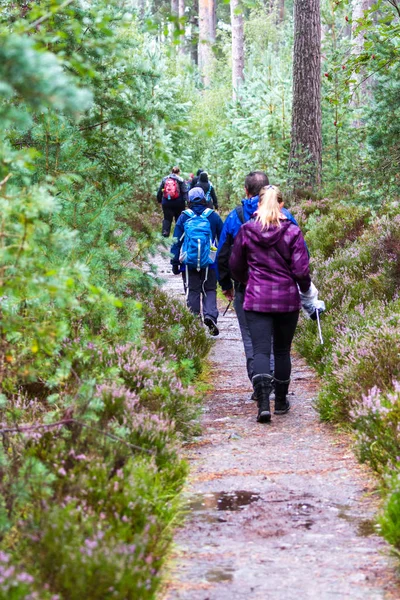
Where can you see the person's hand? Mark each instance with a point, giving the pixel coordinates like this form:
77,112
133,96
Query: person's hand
175,269
229,294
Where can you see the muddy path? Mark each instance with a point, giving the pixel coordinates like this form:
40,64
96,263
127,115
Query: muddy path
278,511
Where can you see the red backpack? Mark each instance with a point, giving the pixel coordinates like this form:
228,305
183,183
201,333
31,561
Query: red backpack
171,189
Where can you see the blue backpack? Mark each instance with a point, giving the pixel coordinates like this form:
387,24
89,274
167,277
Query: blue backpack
197,252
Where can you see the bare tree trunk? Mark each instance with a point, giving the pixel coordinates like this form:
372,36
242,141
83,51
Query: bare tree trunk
205,52
213,20
306,147
237,23
193,21
175,8
141,9
362,89
182,25
281,11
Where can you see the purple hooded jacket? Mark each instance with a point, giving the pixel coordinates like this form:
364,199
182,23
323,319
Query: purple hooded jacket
270,262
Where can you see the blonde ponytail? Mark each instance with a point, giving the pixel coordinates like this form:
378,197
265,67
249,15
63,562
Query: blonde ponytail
269,212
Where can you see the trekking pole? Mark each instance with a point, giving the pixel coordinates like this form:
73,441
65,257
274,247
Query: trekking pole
319,327
227,308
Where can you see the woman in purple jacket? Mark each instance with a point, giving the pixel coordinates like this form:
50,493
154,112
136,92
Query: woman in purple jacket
270,257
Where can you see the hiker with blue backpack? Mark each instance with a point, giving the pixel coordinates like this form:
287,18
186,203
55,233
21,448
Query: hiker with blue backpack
234,290
172,195
193,254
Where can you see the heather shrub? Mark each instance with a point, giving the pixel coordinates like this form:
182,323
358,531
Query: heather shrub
176,330
89,502
389,519
360,359
357,279
149,373
376,419
341,226
309,212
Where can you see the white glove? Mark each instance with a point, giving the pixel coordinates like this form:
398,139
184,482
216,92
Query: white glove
310,303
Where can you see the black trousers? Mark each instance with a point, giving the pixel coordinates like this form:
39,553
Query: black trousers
170,213
200,287
262,326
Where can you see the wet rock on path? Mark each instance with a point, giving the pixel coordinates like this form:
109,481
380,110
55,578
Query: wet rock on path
279,511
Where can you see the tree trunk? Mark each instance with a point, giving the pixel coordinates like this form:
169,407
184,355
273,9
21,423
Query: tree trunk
362,89
213,20
141,9
205,52
237,23
194,36
281,11
182,25
306,147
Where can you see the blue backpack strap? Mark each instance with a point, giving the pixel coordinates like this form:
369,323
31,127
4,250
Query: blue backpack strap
189,213
206,213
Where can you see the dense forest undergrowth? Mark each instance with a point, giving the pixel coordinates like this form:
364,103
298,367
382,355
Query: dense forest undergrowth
97,101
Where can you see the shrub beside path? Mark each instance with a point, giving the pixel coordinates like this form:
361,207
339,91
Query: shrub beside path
276,512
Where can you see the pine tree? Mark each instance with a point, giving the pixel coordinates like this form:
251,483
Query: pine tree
306,147
205,55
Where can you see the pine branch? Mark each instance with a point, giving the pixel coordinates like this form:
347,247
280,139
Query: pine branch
48,15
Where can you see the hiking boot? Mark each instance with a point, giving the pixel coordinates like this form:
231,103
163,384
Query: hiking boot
212,326
282,404
262,387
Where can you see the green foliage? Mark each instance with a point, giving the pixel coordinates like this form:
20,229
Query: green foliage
360,102
235,137
95,405
389,520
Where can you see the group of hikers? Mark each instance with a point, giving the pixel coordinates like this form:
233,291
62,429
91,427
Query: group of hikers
259,258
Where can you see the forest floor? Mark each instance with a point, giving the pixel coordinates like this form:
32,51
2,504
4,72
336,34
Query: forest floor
277,511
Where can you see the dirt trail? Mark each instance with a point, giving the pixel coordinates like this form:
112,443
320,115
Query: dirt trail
276,512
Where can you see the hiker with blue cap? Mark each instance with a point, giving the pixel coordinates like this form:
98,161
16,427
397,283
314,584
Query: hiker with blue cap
196,236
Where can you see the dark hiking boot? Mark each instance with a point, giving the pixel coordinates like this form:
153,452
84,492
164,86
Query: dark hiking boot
212,326
282,404
262,387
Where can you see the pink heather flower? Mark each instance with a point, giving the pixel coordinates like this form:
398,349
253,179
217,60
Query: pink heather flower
62,471
25,578
81,457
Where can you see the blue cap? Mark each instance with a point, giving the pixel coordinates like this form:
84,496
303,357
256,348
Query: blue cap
196,194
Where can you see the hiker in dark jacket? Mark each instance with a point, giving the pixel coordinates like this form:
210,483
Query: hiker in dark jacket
234,290
270,258
203,283
172,195
209,191
195,179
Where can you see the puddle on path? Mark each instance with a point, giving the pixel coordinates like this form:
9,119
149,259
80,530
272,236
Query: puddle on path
221,501
365,527
219,575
